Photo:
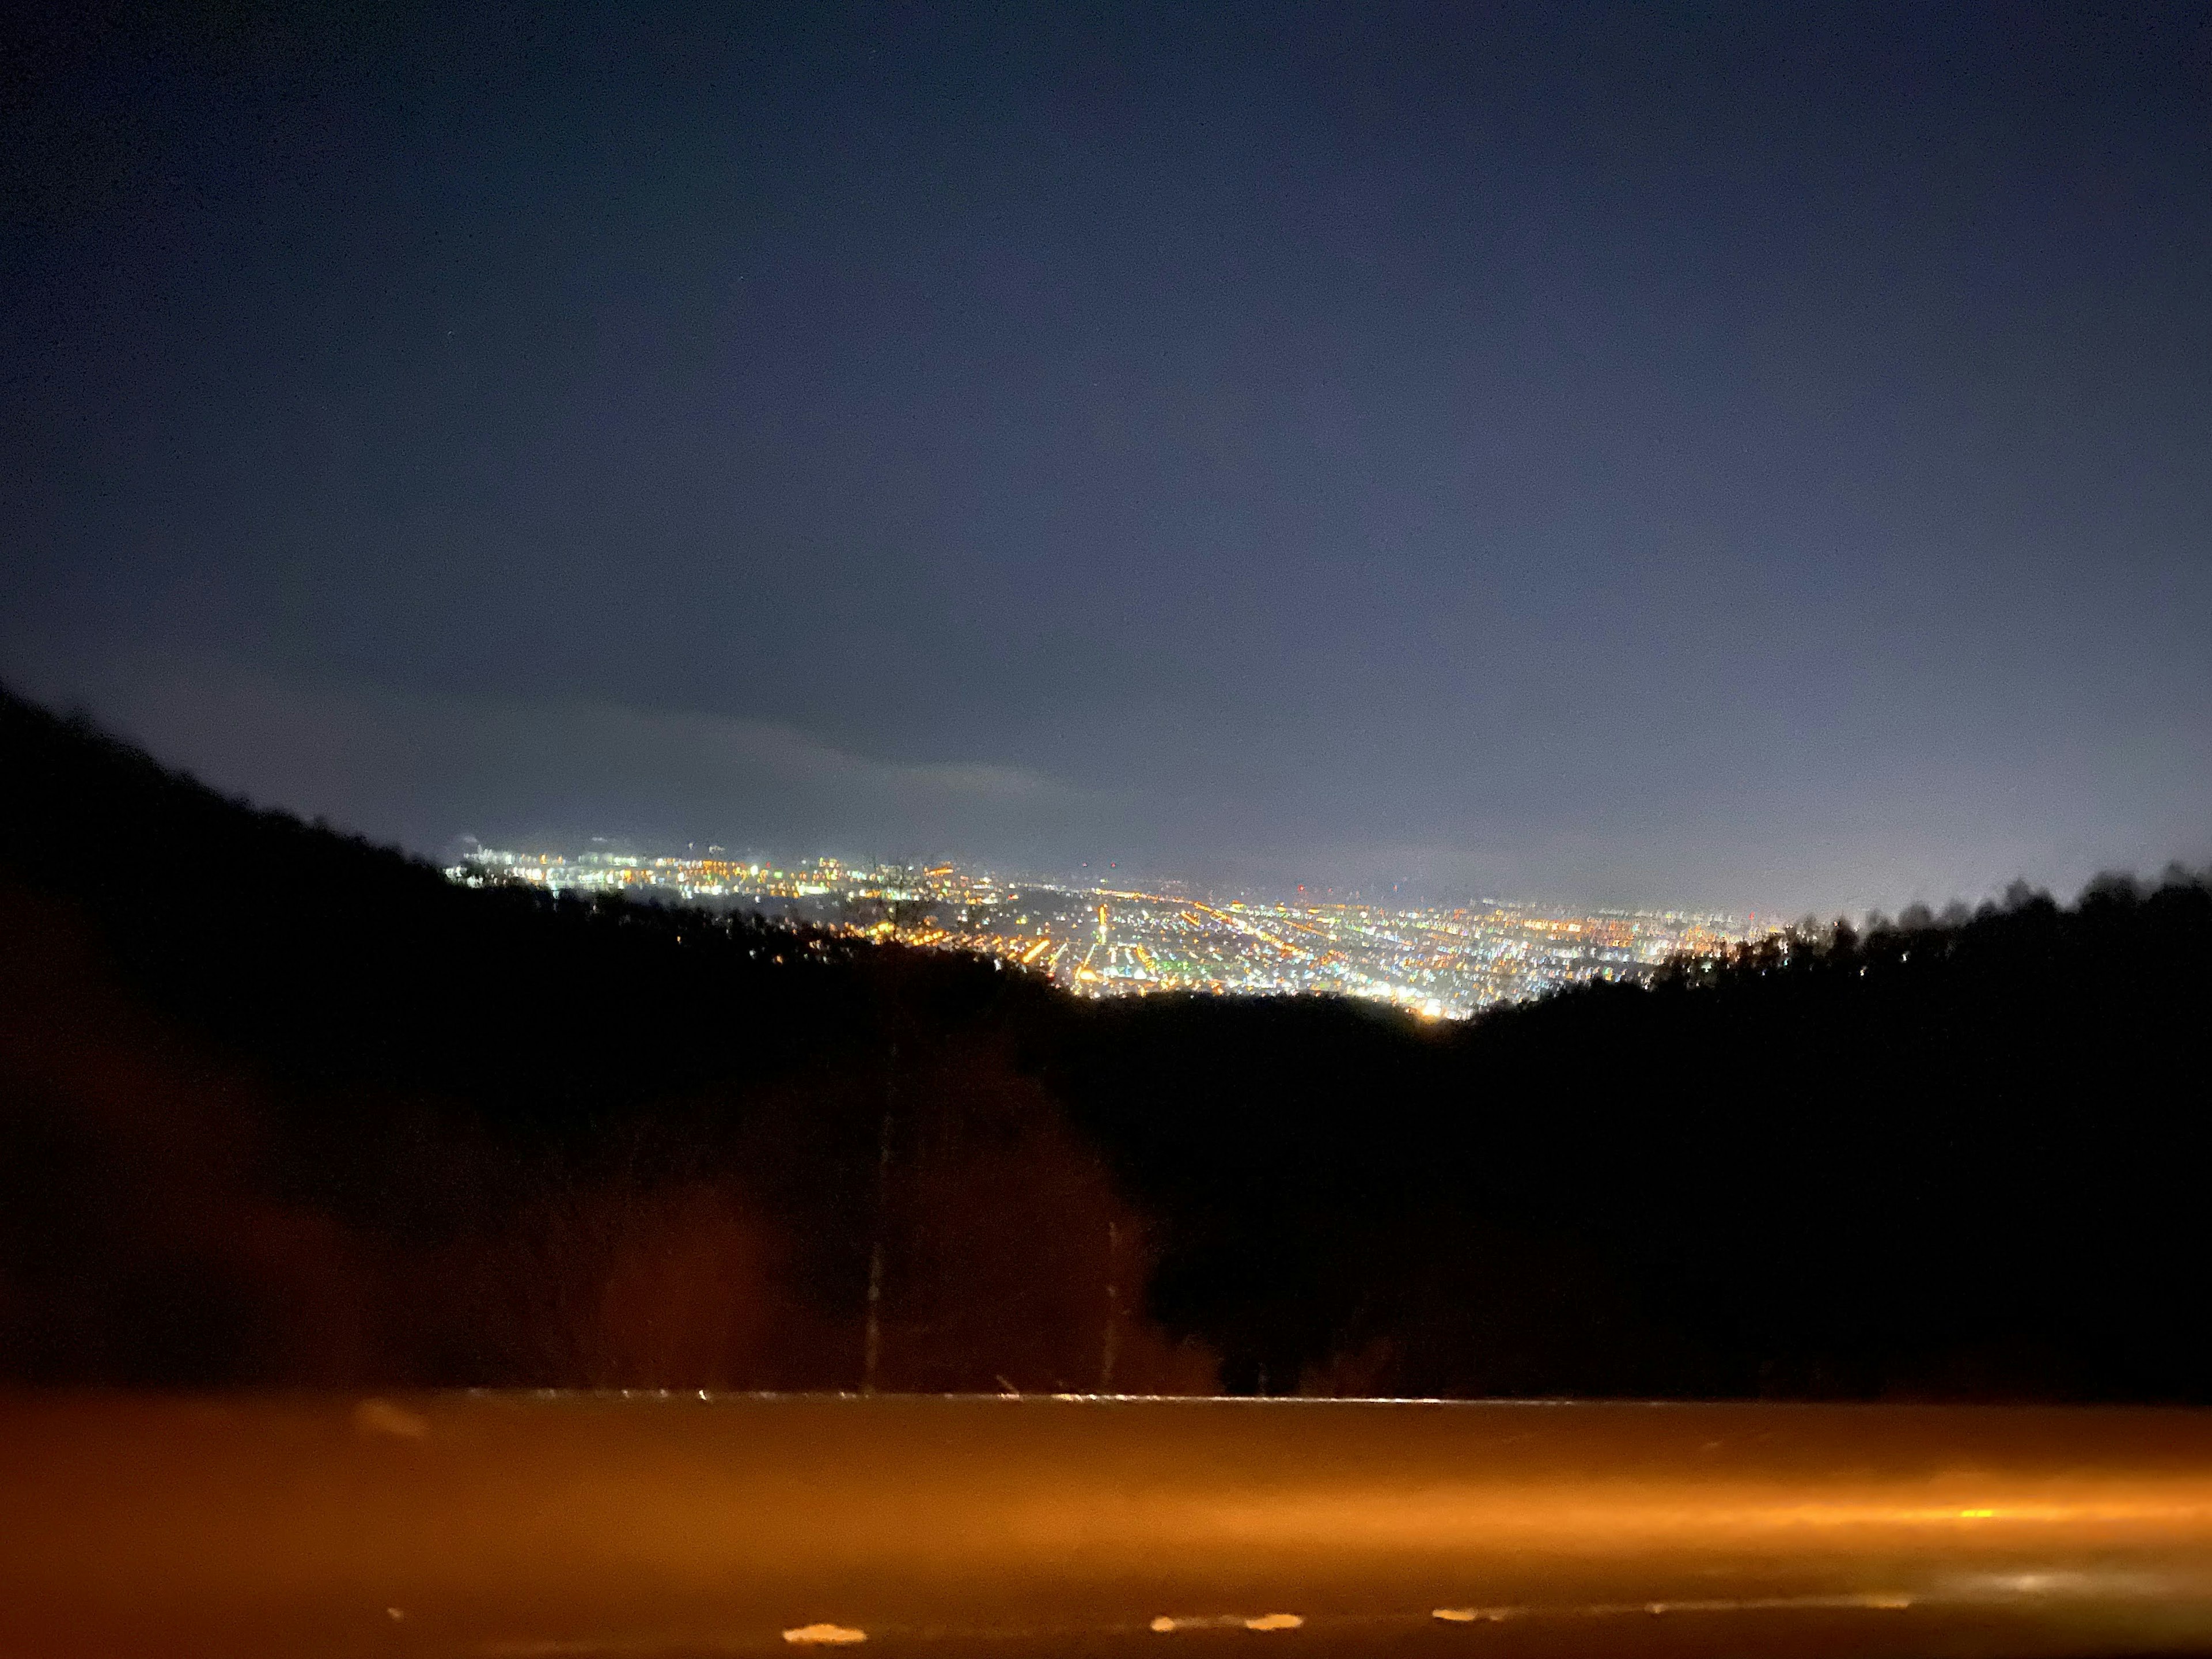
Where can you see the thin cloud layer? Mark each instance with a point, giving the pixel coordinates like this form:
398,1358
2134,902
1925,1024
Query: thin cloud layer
420,769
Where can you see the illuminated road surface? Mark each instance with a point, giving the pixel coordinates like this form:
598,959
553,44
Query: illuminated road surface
665,1525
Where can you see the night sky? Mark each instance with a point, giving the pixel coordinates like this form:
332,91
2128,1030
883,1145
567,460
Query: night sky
1758,457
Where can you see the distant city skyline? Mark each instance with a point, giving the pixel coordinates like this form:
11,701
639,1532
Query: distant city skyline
1104,936
638,852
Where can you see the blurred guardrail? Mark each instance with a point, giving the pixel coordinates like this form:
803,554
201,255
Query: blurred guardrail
641,1525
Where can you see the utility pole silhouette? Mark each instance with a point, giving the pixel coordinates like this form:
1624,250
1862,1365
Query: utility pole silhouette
873,1339
1113,1338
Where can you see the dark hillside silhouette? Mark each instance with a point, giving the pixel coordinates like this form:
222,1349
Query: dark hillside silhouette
278,1106
1957,1158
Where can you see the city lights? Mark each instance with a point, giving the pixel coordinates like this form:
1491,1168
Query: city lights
1436,963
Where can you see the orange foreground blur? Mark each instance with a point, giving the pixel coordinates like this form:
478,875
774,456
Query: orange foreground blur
553,1524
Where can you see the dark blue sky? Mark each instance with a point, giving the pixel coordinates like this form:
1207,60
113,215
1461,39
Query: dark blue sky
1760,455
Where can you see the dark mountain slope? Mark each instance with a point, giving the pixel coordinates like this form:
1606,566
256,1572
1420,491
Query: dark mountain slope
276,1105
344,963
1966,1159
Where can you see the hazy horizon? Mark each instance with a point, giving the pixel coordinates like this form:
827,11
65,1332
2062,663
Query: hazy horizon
226,765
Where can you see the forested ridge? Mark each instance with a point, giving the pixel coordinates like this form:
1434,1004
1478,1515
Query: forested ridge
279,1106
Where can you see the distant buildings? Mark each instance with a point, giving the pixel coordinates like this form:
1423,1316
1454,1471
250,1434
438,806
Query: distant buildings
1102,941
